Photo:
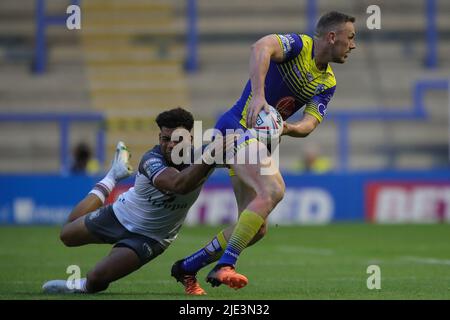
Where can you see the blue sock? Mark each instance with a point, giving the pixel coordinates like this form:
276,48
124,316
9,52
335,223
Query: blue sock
206,255
229,257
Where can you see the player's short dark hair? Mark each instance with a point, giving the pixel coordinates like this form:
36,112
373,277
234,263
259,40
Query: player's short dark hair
175,118
330,21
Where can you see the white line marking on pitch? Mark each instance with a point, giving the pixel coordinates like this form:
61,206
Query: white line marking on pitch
427,260
306,250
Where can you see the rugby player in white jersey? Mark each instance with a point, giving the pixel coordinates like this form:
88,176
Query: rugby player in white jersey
143,221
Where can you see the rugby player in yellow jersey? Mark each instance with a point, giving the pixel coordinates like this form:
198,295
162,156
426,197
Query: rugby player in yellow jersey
290,72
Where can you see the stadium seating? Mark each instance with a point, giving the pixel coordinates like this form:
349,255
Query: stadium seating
127,61
35,147
131,78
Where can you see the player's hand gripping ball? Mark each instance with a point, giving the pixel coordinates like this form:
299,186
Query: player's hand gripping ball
268,126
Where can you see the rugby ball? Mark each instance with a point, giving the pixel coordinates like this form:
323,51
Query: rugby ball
269,125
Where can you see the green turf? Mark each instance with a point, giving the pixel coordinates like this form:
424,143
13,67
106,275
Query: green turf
323,262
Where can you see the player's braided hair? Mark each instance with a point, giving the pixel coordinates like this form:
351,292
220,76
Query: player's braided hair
175,118
329,21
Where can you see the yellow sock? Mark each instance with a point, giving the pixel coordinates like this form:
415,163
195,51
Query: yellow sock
248,225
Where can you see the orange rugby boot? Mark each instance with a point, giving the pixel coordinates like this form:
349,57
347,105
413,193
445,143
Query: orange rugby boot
189,281
226,275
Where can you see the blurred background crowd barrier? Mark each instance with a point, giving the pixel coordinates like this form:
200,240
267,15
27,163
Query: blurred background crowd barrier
67,96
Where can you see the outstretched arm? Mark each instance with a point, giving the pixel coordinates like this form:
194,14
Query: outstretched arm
301,128
188,179
184,181
315,111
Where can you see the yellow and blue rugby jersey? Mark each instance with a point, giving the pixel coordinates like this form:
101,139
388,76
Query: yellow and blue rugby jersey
294,83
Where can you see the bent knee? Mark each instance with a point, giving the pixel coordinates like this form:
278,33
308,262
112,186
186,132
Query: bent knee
278,193
274,193
66,237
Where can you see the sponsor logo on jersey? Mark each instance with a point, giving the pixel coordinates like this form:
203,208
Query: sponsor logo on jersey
167,202
153,164
153,160
156,166
286,41
322,109
296,70
319,88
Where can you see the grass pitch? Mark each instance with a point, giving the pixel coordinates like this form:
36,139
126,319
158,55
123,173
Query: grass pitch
298,263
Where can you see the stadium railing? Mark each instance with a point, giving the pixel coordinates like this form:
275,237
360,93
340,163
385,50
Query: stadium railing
416,112
192,31
192,37
42,22
65,120
431,33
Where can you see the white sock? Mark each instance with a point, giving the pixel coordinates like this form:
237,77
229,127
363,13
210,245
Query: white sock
104,187
110,175
83,282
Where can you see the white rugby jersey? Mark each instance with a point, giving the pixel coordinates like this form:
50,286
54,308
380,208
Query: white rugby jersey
145,210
